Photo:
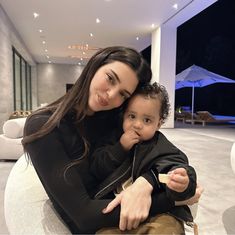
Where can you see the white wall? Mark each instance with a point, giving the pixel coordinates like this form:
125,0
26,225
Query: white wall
52,79
8,38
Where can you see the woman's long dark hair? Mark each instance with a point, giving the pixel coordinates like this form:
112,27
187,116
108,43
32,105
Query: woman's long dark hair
78,95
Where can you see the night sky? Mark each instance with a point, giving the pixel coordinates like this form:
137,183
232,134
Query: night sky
208,40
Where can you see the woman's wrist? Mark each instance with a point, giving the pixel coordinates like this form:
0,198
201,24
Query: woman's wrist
144,184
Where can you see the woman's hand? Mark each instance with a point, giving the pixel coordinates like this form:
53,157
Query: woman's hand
135,204
178,180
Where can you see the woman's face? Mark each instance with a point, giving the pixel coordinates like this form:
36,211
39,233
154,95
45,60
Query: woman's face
111,85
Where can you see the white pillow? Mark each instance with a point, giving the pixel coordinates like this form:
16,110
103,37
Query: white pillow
13,128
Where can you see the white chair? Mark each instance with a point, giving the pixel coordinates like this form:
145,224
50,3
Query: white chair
26,205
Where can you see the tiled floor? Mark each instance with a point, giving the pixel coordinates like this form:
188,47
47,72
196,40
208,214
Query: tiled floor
208,149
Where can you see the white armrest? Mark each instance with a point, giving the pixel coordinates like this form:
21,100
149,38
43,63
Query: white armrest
13,128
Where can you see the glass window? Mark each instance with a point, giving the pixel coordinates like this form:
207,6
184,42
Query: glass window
22,82
23,65
28,88
17,85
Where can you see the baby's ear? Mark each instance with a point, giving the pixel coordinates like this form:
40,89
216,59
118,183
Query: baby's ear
159,124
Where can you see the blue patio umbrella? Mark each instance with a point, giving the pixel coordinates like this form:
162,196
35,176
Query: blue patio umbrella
196,76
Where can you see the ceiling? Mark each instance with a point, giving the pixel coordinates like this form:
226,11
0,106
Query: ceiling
70,22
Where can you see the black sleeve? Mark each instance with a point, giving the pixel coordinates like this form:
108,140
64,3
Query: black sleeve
170,158
107,158
49,158
170,194
160,203
171,162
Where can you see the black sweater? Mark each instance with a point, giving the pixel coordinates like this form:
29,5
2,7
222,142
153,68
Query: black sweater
71,194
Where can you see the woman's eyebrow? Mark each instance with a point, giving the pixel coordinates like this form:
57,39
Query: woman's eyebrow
118,80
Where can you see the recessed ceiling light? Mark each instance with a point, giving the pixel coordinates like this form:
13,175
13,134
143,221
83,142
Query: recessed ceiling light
175,6
83,52
97,20
48,56
35,15
40,30
152,25
91,34
137,38
81,58
46,50
43,42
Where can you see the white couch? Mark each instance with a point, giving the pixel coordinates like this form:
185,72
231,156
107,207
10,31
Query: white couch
10,140
26,205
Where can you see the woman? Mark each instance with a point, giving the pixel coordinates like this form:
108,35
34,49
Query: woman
58,136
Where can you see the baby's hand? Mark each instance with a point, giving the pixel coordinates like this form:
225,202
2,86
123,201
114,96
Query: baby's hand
178,180
128,139
194,199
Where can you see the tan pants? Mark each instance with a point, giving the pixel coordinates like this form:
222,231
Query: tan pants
160,224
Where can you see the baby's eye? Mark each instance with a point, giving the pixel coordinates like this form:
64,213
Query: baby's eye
131,116
147,120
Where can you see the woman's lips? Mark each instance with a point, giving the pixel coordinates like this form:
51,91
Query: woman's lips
102,101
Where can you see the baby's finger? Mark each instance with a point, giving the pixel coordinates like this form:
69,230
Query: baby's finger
179,171
178,178
176,186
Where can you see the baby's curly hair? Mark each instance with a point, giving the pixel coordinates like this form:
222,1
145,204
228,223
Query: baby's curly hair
156,91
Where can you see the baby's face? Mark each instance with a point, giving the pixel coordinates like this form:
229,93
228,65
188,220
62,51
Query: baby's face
142,116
